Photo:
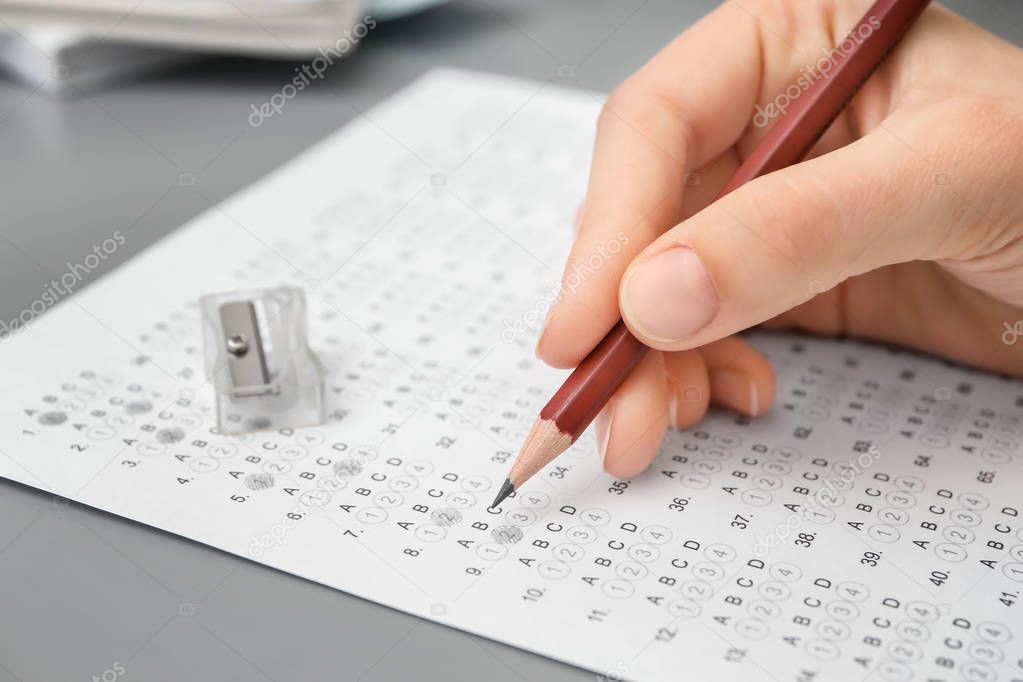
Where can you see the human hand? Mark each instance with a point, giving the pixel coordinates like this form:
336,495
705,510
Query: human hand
904,225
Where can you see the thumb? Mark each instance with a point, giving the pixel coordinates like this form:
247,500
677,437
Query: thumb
783,238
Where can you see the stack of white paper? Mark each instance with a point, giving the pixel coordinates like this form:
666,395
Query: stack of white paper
55,44
284,27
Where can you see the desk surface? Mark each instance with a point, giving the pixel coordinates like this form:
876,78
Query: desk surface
85,595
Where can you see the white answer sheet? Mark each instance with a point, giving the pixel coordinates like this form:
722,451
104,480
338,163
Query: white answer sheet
868,528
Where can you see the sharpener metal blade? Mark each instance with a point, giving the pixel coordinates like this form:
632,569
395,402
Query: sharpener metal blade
246,357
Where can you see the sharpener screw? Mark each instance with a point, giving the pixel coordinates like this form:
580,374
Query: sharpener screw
236,345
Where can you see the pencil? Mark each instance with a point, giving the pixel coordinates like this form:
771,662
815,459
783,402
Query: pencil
601,373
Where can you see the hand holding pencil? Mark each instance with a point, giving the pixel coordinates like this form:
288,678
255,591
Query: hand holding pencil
900,226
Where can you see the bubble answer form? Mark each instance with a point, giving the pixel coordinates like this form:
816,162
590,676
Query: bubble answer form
868,528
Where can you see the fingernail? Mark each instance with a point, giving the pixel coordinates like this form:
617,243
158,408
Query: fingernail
603,431
670,296
543,330
735,390
672,404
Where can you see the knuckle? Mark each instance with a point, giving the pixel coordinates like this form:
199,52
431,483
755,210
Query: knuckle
641,111
621,104
978,153
782,13
614,103
787,19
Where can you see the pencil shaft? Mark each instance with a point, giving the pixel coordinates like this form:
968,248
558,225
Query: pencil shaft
812,112
594,381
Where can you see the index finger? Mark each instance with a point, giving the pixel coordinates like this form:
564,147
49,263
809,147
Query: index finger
685,107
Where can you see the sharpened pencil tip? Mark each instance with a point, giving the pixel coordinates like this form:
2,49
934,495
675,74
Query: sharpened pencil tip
506,490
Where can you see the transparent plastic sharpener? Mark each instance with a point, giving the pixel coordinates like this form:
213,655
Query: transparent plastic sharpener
259,361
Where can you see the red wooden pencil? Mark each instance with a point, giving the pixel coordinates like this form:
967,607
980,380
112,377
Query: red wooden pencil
599,375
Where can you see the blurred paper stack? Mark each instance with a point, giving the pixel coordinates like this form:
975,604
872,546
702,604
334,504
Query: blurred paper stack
56,44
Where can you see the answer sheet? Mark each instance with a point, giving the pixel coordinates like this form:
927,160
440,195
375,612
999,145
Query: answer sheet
868,528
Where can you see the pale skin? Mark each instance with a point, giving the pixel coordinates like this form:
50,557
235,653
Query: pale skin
905,225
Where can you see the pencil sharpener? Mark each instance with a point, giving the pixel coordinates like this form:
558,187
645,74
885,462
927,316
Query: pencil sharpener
258,358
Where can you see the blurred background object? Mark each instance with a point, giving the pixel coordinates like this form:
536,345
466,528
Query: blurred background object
106,39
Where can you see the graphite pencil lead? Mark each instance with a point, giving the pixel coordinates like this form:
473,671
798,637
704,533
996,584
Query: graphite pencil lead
506,490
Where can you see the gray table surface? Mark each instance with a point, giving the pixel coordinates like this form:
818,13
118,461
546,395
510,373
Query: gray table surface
85,595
